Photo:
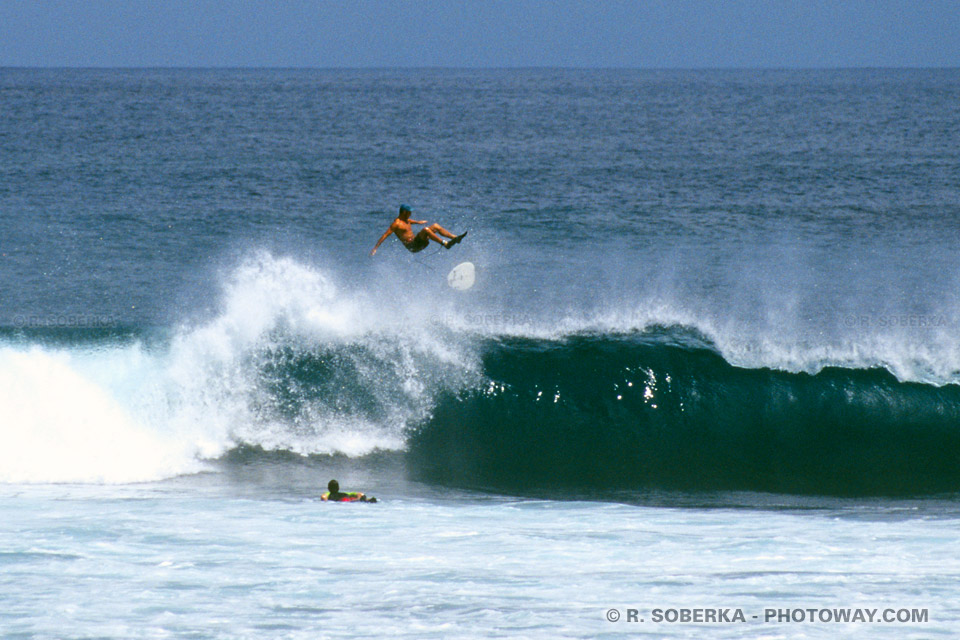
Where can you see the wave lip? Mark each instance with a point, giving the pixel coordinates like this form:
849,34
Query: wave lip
633,412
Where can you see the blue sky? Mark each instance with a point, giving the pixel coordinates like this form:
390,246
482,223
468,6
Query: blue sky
452,33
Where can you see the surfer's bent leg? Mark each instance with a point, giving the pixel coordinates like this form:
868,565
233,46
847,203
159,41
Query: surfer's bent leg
428,231
436,228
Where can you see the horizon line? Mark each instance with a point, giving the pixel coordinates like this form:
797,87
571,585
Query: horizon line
469,68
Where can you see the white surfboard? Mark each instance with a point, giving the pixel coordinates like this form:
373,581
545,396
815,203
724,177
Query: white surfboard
462,276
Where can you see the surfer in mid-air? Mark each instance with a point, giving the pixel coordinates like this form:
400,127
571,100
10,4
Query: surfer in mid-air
403,227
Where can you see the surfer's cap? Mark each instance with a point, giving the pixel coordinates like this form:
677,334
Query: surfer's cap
405,209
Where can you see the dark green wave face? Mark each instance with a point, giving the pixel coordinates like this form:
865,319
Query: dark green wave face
597,413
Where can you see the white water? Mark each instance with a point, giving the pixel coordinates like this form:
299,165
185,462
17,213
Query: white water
134,412
59,425
186,559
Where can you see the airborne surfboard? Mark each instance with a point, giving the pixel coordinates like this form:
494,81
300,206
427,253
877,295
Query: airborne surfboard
462,276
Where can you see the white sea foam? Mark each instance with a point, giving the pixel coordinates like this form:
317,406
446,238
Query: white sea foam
60,425
277,306
116,413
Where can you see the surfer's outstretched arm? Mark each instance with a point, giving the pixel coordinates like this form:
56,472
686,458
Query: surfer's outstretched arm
385,235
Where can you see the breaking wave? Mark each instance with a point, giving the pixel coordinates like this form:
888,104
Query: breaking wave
293,362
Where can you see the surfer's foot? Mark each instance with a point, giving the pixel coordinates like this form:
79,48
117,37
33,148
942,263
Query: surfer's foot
456,240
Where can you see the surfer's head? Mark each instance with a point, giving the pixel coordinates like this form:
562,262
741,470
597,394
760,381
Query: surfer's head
333,486
404,212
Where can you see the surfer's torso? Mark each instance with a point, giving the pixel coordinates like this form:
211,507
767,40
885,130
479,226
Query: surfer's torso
414,242
403,230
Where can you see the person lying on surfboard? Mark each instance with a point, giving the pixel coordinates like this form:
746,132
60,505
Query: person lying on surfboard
335,495
402,226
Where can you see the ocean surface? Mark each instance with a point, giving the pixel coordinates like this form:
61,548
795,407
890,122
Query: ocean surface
711,362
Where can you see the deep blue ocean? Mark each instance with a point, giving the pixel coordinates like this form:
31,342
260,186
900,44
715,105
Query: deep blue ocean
711,359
